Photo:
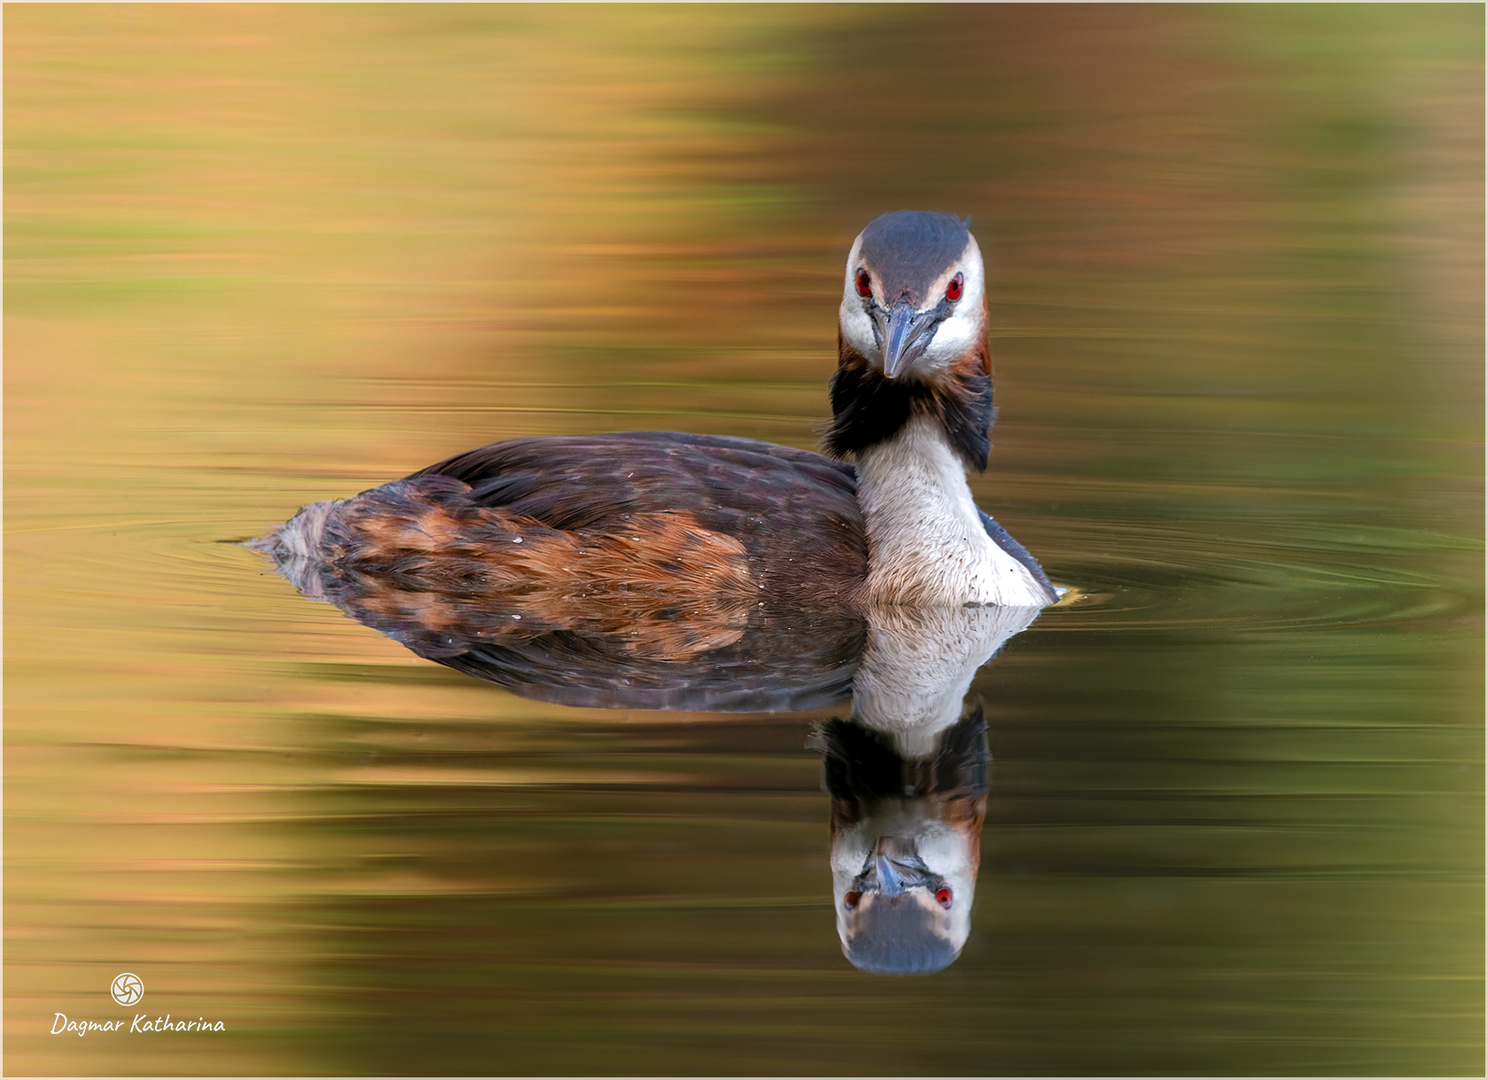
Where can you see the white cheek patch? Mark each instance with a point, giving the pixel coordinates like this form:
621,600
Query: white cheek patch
857,328
953,338
850,850
959,333
946,851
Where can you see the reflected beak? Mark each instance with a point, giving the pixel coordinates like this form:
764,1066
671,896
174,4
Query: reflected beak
896,865
889,881
903,338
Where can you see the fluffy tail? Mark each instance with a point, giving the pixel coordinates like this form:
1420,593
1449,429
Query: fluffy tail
298,547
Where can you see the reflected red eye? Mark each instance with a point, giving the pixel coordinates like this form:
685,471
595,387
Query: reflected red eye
953,292
850,901
943,897
865,284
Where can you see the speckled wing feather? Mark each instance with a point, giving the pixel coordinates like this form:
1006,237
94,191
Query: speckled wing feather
795,512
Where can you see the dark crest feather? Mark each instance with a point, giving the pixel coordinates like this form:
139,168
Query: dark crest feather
860,765
910,248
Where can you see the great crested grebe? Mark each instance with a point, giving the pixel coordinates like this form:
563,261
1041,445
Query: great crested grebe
658,521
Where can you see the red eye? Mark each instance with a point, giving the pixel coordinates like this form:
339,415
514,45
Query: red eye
850,901
943,896
865,284
955,288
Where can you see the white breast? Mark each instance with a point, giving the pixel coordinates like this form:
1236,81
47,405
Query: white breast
926,542
917,667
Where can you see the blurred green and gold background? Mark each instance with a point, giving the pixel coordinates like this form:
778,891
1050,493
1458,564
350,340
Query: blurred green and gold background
258,255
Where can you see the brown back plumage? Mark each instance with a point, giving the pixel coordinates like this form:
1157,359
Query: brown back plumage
652,518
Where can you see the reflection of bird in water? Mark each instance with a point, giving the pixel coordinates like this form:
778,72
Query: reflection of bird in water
906,843
601,530
908,781
906,774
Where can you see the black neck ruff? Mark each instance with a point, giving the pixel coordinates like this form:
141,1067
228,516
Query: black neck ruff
868,409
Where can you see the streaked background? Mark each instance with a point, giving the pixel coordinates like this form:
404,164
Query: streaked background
261,255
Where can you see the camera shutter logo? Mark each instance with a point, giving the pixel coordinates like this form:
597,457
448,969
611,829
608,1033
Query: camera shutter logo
127,989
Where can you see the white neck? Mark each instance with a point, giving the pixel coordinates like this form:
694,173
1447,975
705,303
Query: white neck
918,664
926,542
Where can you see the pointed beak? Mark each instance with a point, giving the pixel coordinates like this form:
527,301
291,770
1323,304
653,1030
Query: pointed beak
904,339
889,881
897,866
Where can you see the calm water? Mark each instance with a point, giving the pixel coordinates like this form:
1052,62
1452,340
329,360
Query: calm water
260,256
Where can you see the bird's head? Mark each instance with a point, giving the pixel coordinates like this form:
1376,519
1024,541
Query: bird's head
914,296
905,908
